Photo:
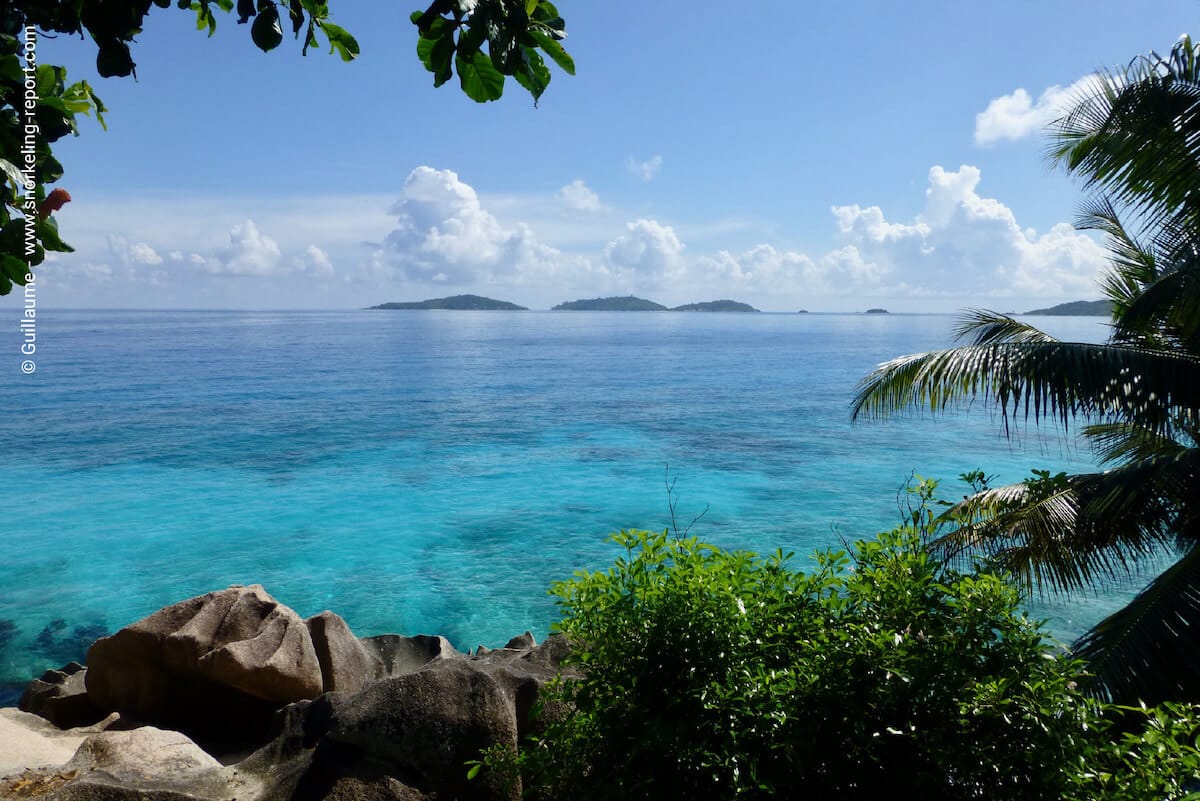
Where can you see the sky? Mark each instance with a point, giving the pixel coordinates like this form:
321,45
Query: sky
791,155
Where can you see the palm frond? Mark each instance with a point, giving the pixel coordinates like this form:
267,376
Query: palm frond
1125,441
1148,650
1063,533
984,327
1132,135
1133,264
1044,380
1171,303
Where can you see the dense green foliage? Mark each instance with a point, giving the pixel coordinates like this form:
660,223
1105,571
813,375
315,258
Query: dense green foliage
1157,758
880,673
482,40
1135,136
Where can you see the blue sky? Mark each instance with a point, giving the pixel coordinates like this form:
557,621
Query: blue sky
791,155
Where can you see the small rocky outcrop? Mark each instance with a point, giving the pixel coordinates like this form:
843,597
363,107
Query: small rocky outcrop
346,665
400,655
60,696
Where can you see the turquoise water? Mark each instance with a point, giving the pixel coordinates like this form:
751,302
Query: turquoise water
435,471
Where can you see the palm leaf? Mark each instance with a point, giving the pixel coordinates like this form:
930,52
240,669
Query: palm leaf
1063,533
1048,380
1148,651
1133,135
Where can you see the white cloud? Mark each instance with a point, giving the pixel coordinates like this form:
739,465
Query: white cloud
444,235
130,253
974,244
1017,115
646,170
314,261
577,196
648,249
441,237
250,253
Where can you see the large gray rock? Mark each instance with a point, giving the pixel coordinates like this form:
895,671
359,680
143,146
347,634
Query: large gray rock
60,696
423,727
412,734
143,764
29,742
214,666
346,665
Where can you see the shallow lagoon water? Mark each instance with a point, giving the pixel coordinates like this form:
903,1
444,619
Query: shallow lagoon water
435,471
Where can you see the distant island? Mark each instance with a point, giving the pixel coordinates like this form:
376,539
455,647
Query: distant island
630,303
877,311
627,303
456,303
716,306
1078,308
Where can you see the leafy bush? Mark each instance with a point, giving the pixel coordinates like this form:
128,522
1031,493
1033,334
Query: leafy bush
1157,760
880,673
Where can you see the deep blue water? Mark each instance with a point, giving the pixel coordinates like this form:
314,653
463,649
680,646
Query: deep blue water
435,471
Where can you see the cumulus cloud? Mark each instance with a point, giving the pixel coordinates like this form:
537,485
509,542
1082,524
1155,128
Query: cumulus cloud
314,261
577,196
647,249
250,253
1017,115
444,235
973,243
130,253
646,170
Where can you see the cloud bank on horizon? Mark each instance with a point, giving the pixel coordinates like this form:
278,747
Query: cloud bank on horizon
439,236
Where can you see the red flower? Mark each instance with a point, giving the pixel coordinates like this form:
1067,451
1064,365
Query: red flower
53,202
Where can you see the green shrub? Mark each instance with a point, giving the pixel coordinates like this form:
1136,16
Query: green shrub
1157,759
879,673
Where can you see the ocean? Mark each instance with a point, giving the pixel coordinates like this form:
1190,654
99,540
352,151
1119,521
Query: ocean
434,472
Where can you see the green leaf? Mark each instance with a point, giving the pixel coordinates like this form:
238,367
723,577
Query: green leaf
10,68
205,18
437,56
5,285
545,11
266,32
341,41
296,12
480,79
113,59
47,231
553,49
245,10
13,269
535,75
10,170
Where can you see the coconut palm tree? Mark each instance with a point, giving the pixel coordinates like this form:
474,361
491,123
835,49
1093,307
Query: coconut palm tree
1134,138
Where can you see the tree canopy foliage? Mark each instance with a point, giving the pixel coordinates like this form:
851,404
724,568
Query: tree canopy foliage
482,41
